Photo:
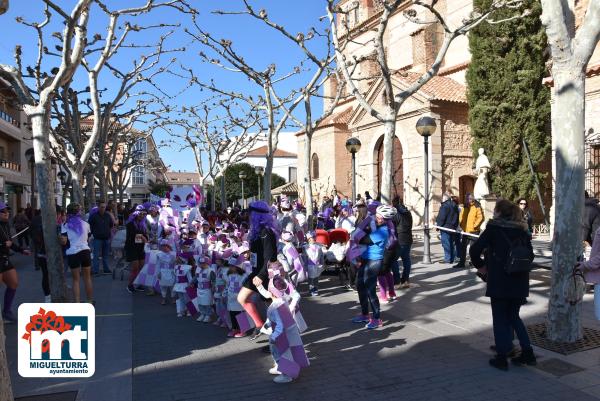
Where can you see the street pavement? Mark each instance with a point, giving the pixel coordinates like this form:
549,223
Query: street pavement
434,345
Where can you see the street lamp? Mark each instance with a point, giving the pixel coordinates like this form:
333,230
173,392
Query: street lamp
242,175
259,170
29,154
426,127
353,146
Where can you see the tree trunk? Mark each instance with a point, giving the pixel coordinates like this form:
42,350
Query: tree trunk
267,179
102,174
223,197
568,127
41,146
5,384
387,164
308,199
90,193
76,188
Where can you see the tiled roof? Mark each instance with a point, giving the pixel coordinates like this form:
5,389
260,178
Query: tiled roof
291,188
438,88
262,151
342,117
182,177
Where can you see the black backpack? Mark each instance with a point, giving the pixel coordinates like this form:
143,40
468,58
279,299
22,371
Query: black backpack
519,256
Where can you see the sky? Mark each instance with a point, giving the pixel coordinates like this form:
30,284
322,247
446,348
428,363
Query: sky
259,45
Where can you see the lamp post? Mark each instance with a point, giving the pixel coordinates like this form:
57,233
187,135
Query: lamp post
62,176
31,159
353,146
426,127
259,170
242,175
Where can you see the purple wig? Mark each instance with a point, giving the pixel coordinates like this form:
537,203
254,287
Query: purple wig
261,217
75,223
139,224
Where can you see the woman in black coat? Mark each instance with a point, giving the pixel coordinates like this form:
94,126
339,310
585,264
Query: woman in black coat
136,236
507,291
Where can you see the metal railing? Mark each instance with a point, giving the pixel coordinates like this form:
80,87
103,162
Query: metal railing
10,165
10,119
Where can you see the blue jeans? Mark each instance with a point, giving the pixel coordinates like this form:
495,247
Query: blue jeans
457,244
505,317
366,282
402,252
100,246
449,246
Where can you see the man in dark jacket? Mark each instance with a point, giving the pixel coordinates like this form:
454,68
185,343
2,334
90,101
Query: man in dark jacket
591,219
448,218
101,227
403,222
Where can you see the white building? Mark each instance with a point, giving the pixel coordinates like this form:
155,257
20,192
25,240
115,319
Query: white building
285,160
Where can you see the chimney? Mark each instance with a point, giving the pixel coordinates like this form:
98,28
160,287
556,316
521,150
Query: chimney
329,91
425,45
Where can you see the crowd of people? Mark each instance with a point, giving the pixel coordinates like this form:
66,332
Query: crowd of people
218,267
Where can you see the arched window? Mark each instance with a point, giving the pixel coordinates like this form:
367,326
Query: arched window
315,166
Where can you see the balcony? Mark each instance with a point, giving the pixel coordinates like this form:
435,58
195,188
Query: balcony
16,167
9,119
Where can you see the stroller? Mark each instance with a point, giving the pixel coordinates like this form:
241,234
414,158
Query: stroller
336,242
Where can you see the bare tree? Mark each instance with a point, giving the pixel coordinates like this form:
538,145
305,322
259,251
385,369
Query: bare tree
392,101
77,147
320,72
219,135
571,51
266,80
37,106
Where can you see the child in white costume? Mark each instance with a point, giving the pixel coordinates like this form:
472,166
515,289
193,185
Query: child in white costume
285,343
235,279
313,253
165,261
183,280
206,281
294,268
220,301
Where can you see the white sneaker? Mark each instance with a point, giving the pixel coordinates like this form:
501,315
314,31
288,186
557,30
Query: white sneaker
179,314
207,319
200,318
274,371
282,379
266,330
48,299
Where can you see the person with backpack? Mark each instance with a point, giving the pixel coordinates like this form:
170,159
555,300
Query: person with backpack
508,256
403,221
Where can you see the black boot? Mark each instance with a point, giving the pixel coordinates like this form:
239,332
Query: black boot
526,358
499,362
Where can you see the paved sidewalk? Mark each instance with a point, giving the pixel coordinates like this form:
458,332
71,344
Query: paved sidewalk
433,346
112,380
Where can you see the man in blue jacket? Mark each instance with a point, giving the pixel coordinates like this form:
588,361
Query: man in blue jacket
448,218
